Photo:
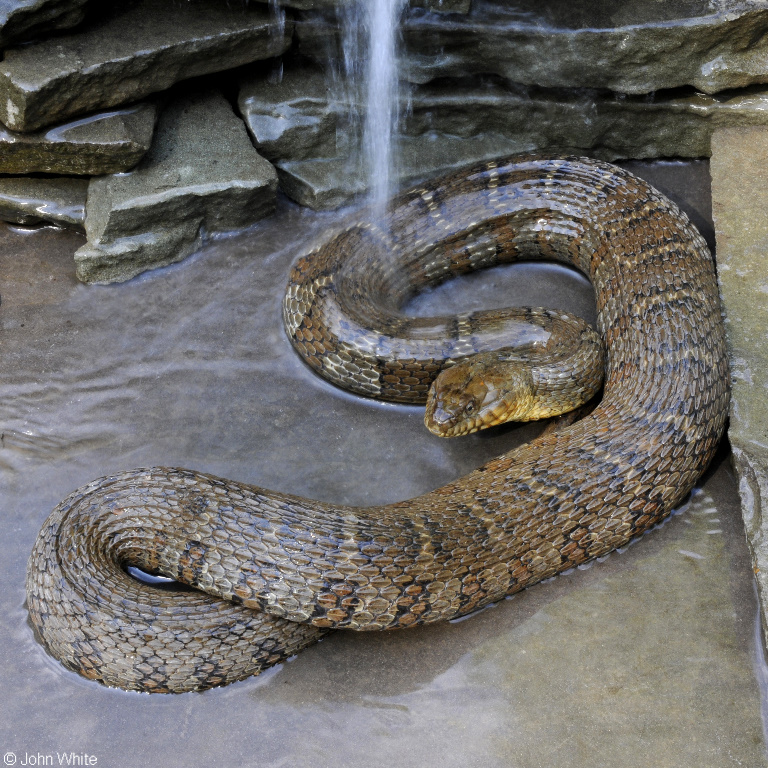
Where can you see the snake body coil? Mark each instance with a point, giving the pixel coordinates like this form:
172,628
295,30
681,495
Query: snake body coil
307,566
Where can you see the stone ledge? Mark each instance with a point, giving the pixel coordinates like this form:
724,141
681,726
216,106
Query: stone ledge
32,201
107,142
138,48
305,127
739,205
635,48
23,19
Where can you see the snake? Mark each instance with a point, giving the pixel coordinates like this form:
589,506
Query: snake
259,575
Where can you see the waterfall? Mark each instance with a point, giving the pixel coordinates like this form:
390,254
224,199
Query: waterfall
382,97
371,31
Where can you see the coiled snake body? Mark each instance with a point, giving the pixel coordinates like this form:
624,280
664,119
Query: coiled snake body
306,566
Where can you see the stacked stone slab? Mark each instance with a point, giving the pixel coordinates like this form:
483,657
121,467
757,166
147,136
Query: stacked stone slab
306,126
105,142
24,19
484,79
130,51
639,80
30,201
71,105
201,176
637,47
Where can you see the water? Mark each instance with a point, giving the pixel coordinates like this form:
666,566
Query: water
370,47
190,366
382,97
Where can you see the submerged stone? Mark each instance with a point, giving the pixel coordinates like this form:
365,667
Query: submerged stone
636,47
107,142
58,201
739,203
129,51
202,175
23,19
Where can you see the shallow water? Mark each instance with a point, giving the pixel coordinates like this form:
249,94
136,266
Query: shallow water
648,658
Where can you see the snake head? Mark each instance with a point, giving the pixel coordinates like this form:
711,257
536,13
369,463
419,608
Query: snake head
479,392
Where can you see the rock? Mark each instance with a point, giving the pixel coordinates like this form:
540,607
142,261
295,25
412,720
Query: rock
106,142
23,19
329,183
438,6
635,48
301,124
739,202
321,184
606,126
443,6
130,50
58,201
297,117
201,176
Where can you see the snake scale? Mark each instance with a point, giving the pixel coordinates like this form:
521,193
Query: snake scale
273,572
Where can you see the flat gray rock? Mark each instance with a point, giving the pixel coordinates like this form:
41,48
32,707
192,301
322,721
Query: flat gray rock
636,47
23,19
130,51
607,127
305,127
739,203
32,201
106,142
296,118
201,176
326,184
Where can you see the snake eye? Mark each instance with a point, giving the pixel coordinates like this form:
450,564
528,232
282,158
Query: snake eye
470,407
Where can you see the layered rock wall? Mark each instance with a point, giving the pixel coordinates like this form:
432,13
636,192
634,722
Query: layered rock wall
82,89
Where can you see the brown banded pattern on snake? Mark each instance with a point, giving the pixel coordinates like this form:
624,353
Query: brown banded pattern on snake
292,568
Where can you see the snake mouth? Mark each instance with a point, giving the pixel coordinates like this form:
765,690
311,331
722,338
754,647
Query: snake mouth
450,422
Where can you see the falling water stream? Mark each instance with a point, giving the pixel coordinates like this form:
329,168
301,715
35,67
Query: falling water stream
370,47
382,97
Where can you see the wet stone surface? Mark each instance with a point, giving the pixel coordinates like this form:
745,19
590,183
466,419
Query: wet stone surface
646,658
128,51
739,202
106,142
628,47
201,176
305,124
57,200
